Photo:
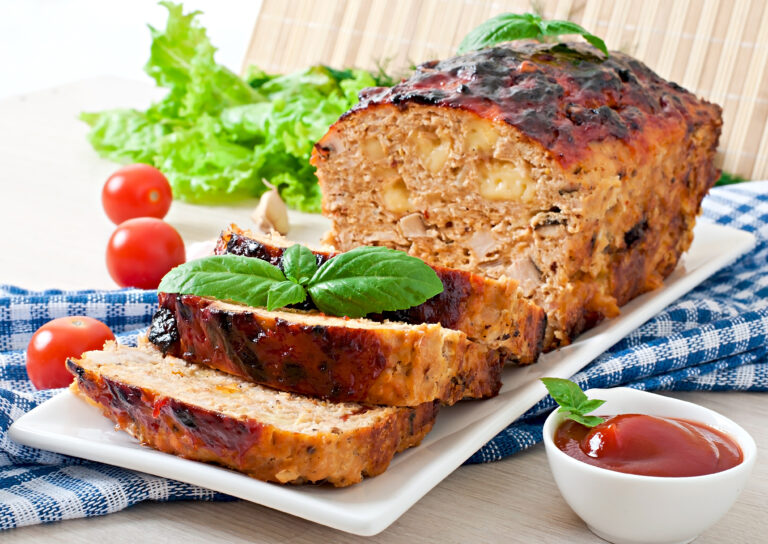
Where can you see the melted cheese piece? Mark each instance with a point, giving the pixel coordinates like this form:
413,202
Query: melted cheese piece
396,196
433,151
506,181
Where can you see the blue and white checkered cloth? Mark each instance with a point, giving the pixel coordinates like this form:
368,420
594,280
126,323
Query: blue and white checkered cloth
715,338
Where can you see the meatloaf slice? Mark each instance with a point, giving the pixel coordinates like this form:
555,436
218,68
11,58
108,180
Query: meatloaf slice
489,311
580,176
202,414
339,359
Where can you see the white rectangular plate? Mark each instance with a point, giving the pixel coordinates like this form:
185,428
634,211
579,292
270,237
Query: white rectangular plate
66,424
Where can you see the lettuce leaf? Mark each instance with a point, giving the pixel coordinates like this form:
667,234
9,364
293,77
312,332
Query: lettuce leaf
125,135
217,136
182,60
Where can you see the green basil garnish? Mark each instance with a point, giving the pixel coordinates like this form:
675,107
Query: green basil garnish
356,283
513,26
573,402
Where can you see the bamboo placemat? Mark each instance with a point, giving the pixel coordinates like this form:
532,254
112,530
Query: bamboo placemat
715,48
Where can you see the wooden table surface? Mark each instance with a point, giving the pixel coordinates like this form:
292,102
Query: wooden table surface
53,236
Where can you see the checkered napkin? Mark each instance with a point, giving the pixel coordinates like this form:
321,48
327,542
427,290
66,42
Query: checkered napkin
712,339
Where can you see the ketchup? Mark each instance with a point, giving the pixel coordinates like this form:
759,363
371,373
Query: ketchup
650,446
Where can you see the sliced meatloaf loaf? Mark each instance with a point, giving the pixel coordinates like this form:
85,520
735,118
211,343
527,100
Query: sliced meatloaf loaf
333,358
202,414
580,176
490,311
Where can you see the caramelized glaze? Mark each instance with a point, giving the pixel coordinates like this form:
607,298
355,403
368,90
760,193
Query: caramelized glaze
338,364
563,96
193,426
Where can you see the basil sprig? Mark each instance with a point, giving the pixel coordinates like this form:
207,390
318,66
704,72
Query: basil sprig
514,26
573,402
227,277
356,283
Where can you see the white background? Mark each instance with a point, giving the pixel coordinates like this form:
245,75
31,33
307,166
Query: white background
45,43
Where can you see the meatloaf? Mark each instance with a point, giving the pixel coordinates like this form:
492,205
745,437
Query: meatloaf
338,359
202,414
490,311
580,176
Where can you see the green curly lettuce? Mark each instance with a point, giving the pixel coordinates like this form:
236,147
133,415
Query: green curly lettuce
217,136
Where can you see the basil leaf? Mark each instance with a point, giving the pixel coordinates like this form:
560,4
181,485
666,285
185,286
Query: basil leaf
572,400
557,28
356,283
372,280
590,405
285,293
502,28
587,421
299,264
225,277
513,26
565,392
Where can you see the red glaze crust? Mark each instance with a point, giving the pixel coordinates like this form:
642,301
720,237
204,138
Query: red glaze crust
330,358
564,96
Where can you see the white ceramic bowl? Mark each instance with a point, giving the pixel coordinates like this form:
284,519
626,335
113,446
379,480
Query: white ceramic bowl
630,509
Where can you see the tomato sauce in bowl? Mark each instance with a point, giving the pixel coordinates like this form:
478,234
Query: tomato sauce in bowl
650,446
659,480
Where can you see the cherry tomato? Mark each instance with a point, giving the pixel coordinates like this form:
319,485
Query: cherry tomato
56,341
136,190
142,250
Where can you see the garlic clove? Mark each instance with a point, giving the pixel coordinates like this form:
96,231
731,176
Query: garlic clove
271,214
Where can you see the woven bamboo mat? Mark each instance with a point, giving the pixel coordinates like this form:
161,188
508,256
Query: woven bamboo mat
715,48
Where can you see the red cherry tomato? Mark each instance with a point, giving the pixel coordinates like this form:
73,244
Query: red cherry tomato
136,190
56,341
141,251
